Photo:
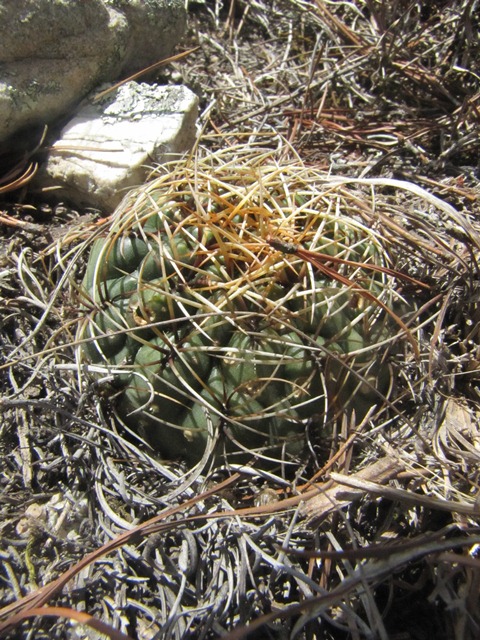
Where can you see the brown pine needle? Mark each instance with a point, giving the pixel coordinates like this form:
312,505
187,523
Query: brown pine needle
142,72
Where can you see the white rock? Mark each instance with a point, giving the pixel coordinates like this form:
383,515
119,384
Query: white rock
110,147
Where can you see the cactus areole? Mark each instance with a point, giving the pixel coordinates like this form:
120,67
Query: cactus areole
211,325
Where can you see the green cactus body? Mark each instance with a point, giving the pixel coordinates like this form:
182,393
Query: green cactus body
221,330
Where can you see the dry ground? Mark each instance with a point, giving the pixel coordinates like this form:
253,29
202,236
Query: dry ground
369,89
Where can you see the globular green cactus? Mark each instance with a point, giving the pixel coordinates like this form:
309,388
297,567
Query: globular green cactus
208,304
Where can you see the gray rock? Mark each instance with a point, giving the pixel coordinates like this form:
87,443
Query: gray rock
54,52
110,147
155,27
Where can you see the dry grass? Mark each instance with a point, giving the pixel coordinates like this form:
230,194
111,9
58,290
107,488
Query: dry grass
376,537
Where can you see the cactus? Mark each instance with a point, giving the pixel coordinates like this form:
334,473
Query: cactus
207,302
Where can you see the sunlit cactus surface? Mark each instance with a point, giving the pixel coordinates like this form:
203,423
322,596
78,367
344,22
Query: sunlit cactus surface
236,307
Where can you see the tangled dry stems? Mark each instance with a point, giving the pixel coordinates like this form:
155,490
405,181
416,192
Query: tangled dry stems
335,83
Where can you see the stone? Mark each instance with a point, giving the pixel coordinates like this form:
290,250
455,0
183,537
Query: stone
112,146
155,27
54,52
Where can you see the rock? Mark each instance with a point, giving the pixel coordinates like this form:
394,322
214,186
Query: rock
155,27
108,148
54,52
